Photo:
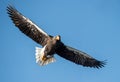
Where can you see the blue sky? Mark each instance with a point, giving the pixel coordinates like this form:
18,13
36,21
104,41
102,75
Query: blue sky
92,26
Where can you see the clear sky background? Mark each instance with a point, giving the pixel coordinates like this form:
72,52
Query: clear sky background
92,26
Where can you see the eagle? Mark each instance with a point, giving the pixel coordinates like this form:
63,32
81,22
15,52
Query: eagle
51,45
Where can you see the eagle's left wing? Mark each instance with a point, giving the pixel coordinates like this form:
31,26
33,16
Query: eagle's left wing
27,26
78,56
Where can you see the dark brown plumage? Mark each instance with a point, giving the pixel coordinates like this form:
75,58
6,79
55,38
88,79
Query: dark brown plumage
27,27
51,45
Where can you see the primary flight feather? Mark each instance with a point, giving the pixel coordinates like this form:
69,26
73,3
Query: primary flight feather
51,45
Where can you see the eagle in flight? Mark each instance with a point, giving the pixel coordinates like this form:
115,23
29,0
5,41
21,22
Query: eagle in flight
50,44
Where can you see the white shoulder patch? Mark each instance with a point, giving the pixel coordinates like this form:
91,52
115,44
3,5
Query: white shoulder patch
37,27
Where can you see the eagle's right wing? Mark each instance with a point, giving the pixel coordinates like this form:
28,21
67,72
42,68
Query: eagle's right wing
27,26
78,56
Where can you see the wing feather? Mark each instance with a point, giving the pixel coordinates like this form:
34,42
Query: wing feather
27,26
78,57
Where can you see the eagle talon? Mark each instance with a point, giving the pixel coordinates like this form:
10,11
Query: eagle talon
44,58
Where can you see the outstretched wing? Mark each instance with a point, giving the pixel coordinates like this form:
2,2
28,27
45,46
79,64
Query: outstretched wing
78,57
27,26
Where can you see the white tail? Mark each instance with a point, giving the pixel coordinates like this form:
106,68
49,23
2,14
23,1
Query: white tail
41,59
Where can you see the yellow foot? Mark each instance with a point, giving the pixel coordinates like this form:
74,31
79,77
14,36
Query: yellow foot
44,58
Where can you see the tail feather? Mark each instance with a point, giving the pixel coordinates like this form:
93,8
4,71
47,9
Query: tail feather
41,59
49,60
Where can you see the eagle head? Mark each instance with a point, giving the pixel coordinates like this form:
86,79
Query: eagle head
58,37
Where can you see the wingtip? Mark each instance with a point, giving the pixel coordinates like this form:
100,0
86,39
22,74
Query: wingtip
100,64
10,8
97,64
